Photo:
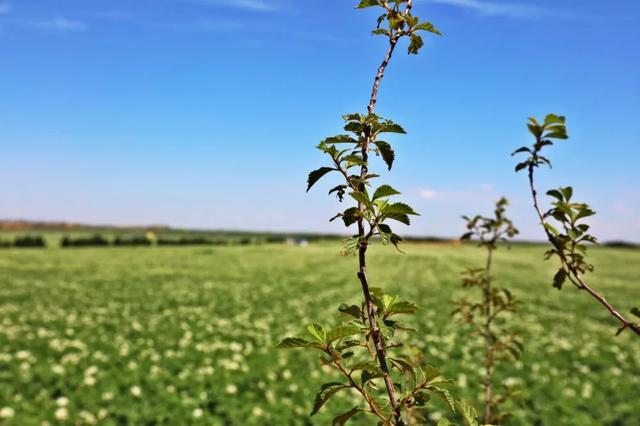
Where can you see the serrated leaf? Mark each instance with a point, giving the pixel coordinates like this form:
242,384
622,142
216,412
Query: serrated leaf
318,332
387,153
468,413
445,395
384,191
342,331
325,393
352,310
315,176
401,307
427,26
293,342
344,417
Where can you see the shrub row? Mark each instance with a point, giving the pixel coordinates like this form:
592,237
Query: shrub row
25,241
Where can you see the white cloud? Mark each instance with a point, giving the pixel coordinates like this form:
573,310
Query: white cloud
253,5
489,8
5,8
428,193
61,24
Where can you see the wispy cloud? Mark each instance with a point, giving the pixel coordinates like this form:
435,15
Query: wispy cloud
253,5
61,24
475,193
5,8
508,10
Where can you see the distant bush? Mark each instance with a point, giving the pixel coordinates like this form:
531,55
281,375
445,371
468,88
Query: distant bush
190,241
131,241
96,240
275,239
29,241
5,244
622,244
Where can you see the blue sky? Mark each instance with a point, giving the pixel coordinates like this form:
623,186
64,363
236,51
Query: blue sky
205,113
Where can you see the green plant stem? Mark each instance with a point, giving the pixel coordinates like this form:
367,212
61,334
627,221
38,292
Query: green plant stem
575,275
364,240
488,338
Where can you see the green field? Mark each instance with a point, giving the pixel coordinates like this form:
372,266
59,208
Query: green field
186,335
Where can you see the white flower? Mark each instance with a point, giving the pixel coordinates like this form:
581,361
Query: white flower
62,413
58,369
7,412
257,412
136,391
197,413
23,355
231,389
107,396
286,374
63,401
587,390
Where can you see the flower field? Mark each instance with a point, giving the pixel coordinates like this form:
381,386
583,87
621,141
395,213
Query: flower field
156,335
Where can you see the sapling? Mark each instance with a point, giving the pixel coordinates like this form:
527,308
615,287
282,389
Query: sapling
485,314
563,224
365,349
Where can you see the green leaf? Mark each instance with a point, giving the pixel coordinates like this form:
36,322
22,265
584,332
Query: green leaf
555,194
567,192
559,278
416,44
384,191
421,398
294,342
468,413
350,216
427,26
325,393
399,212
339,139
636,312
361,197
391,127
315,176
367,3
401,308
317,331
352,310
344,417
387,153
342,331
445,395
554,119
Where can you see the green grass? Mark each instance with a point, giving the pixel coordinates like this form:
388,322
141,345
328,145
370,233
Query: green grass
195,329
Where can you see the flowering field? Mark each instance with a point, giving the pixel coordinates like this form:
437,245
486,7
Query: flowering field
186,335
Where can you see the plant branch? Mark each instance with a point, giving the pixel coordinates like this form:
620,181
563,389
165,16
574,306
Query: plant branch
575,275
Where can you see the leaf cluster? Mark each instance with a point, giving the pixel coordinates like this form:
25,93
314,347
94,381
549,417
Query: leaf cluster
569,237
490,230
351,151
398,21
350,349
553,128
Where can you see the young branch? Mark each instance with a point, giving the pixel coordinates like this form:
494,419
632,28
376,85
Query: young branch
575,275
364,241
